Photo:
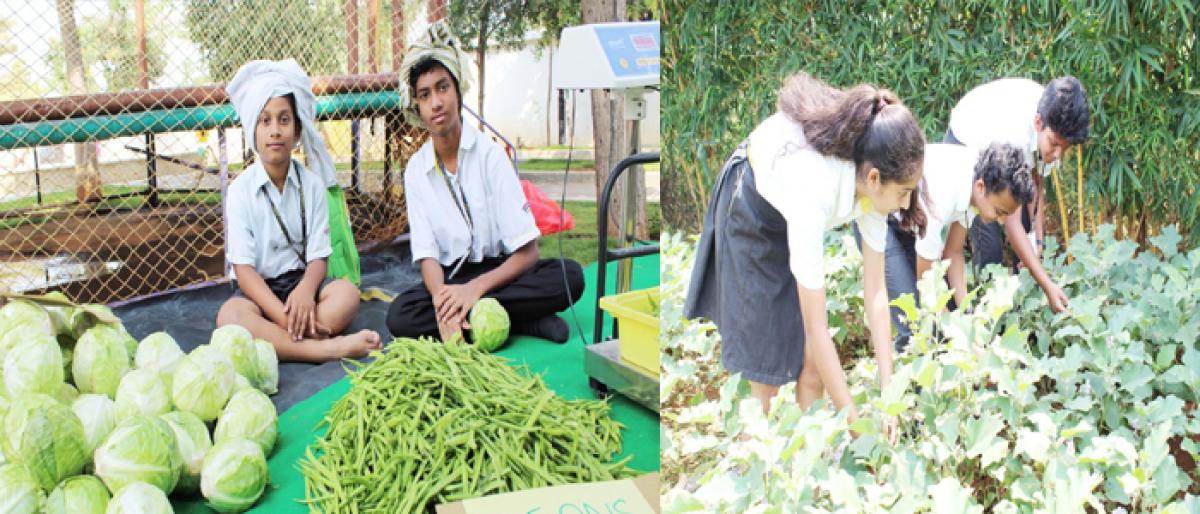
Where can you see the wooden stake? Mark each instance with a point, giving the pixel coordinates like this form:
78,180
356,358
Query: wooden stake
1079,162
1062,210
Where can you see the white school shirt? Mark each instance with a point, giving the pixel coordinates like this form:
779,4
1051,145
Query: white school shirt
1001,111
255,238
949,177
814,193
502,220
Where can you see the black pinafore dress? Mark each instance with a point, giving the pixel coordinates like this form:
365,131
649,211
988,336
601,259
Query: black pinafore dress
743,283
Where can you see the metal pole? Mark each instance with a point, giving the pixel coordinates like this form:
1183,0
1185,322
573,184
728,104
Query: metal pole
151,162
223,163
37,176
356,177
603,254
151,171
352,67
103,104
562,117
387,156
628,216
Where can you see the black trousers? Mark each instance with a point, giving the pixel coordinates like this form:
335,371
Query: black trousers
899,273
540,292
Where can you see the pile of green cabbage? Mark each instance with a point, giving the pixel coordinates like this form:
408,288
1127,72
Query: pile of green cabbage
92,421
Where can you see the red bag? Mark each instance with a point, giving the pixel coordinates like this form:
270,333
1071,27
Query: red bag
549,216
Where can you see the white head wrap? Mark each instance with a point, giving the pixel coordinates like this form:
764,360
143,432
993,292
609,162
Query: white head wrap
259,81
438,44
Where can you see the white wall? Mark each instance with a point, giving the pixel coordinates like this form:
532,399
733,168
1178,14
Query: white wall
517,82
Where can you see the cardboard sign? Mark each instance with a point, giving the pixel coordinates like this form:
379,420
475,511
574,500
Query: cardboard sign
635,496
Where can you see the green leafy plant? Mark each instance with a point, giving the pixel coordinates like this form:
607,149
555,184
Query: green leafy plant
1003,406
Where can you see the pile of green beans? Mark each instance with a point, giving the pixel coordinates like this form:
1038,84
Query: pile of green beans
428,423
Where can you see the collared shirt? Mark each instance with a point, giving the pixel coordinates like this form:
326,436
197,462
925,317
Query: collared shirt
813,192
255,238
949,176
1001,111
485,177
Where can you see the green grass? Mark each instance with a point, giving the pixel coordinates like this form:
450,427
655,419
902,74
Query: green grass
60,197
559,147
556,164
581,243
64,202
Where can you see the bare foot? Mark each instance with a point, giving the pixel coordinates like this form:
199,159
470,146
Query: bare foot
356,345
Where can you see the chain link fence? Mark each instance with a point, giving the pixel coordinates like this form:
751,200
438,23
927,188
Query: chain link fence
116,141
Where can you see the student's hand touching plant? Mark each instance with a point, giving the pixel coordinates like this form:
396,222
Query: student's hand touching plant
1056,297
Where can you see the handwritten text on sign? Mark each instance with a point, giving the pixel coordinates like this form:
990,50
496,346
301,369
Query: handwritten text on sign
616,497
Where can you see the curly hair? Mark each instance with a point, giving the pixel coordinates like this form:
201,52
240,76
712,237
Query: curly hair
1002,167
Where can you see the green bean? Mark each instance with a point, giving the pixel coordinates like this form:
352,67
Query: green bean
426,423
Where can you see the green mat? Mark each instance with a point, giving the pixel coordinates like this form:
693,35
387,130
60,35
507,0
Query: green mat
561,367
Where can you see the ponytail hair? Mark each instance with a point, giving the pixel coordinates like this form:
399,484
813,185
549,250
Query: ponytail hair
864,124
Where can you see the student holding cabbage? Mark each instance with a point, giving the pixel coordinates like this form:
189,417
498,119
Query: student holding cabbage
826,158
473,236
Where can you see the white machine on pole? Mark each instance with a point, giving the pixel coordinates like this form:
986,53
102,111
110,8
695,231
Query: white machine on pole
623,59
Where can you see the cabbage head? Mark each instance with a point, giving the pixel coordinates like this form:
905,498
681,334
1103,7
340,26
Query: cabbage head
142,393
489,324
139,498
203,383
234,475
268,367
249,415
159,352
140,449
238,345
46,437
193,442
82,494
98,415
100,360
19,494
33,366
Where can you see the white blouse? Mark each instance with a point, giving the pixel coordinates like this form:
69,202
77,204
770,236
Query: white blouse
814,193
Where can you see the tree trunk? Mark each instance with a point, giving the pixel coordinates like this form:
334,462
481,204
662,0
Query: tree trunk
398,36
437,10
372,35
87,174
481,52
610,134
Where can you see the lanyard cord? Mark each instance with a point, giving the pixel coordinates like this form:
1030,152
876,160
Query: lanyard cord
302,254
464,209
